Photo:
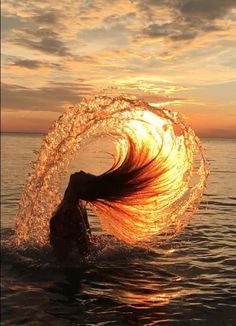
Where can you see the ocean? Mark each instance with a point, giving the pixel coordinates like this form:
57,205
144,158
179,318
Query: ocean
189,281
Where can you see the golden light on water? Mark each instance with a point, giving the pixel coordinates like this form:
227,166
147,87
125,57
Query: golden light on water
177,175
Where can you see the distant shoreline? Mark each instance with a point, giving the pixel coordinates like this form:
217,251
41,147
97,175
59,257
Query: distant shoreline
23,132
44,134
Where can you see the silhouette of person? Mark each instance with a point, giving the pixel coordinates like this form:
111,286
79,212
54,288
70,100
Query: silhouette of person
108,192
69,226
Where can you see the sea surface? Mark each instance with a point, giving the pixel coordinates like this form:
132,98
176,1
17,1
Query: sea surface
190,281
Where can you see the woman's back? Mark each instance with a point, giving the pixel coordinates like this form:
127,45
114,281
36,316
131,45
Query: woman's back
68,231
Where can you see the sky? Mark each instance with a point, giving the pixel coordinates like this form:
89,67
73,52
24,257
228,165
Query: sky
179,54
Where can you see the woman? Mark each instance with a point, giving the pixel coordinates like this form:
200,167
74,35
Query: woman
69,226
109,193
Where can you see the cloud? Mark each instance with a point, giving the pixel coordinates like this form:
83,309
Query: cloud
49,17
86,6
10,22
49,98
172,31
117,19
42,39
189,18
179,31
188,9
116,35
209,10
37,28
34,64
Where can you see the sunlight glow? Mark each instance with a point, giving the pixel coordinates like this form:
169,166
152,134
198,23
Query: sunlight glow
175,179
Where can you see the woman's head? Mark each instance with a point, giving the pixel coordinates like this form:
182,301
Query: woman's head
80,182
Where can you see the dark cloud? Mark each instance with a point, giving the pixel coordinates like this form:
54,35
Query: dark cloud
34,64
48,45
40,30
51,98
204,9
188,9
173,31
191,18
116,19
48,18
42,39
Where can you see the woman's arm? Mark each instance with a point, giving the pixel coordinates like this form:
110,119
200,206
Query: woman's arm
85,217
70,199
72,202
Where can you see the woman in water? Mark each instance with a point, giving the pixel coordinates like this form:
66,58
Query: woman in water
69,227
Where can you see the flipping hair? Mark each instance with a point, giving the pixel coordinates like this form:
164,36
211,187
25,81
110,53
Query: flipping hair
125,180
123,196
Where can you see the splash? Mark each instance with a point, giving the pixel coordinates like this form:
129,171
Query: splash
154,214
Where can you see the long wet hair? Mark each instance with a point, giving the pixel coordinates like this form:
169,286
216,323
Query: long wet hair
123,196
125,180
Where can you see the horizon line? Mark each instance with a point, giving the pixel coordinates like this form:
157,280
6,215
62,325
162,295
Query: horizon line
45,133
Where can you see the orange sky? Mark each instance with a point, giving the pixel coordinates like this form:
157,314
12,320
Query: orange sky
180,54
